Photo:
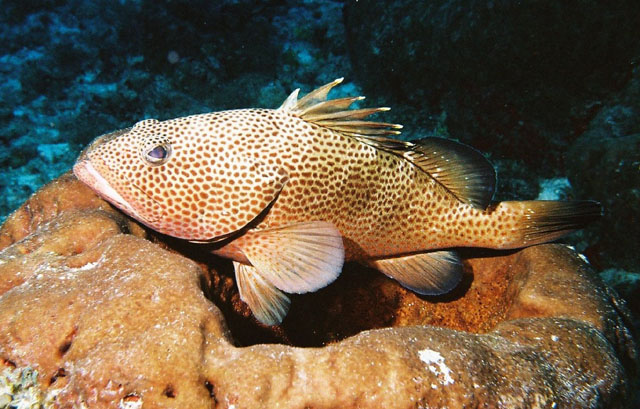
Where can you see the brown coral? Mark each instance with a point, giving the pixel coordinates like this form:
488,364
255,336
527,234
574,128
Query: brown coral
110,318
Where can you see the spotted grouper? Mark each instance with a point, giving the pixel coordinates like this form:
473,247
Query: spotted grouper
289,194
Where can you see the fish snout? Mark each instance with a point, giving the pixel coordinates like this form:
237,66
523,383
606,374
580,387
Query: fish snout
87,173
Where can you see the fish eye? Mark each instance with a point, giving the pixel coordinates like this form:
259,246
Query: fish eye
158,154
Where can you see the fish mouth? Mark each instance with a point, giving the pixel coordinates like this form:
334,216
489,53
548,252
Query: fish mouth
84,170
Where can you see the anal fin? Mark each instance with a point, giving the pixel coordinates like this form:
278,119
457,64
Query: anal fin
268,304
431,273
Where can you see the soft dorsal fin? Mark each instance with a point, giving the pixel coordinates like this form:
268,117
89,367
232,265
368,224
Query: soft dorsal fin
335,113
462,170
459,168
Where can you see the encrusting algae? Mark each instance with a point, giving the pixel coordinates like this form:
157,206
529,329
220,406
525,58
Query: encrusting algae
20,389
289,194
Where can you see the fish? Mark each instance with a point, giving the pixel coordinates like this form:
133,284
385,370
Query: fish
290,194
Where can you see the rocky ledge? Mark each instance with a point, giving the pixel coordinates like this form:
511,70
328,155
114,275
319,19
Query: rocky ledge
110,315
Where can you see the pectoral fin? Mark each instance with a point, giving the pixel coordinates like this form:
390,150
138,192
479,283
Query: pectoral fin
298,258
432,273
268,304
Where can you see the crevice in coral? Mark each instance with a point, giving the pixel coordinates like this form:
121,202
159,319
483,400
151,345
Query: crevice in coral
211,391
9,363
59,373
130,399
66,343
169,391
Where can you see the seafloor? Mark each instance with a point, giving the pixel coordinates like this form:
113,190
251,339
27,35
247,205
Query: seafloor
550,91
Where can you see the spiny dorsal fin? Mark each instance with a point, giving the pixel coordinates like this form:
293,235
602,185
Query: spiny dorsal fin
318,94
335,113
291,101
330,106
459,168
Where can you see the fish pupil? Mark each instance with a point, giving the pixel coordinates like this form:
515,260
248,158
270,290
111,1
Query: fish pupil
159,152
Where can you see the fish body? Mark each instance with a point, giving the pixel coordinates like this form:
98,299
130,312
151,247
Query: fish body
289,194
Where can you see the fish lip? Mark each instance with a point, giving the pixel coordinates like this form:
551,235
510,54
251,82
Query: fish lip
84,170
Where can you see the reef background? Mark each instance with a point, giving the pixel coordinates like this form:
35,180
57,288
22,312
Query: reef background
549,91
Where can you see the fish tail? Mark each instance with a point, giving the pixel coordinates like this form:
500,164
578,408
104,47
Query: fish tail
539,221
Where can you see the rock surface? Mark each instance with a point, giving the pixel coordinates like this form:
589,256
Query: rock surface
109,318
604,164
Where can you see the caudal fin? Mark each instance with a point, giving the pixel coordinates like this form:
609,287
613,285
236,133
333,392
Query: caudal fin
541,221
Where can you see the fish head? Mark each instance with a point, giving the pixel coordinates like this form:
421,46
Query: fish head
193,178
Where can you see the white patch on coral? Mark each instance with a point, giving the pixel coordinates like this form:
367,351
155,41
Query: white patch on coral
583,258
89,265
580,255
554,338
130,404
435,364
